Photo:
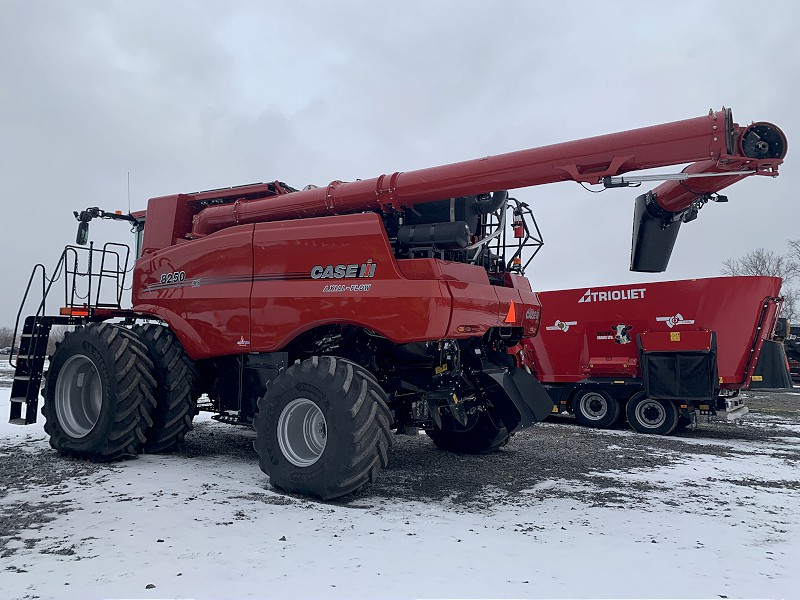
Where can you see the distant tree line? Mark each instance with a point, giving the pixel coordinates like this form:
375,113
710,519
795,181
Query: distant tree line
771,263
56,336
6,337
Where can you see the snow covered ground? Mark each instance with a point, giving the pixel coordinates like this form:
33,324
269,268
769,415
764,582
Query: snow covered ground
563,511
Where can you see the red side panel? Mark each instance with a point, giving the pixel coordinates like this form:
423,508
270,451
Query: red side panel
297,285
202,289
475,302
676,341
592,331
479,306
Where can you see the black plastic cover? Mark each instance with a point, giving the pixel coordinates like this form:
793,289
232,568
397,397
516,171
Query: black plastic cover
652,242
772,367
444,211
681,375
518,397
444,236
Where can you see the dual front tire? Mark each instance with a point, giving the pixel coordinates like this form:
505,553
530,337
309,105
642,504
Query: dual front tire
112,391
99,393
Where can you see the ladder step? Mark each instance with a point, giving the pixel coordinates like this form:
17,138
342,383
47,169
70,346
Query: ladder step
22,377
19,421
19,399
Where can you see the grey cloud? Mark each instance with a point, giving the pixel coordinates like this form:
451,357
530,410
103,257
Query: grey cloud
196,95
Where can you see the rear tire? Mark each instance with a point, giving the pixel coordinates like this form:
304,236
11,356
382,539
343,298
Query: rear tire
648,415
99,393
484,433
176,394
595,408
323,428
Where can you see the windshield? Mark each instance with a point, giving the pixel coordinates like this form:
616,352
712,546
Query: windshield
138,232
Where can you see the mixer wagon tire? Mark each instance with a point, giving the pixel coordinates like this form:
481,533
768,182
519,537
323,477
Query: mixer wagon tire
595,408
99,393
176,392
483,434
648,415
323,428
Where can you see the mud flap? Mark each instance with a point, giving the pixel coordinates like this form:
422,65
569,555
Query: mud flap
518,397
772,368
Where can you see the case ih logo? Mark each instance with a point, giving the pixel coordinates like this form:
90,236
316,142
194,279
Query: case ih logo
344,271
629,294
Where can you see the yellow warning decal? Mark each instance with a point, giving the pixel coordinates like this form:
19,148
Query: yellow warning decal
555,409
675,336
720,379
757,378
440,369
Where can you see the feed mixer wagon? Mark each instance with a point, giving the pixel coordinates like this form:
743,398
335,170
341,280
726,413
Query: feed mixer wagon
657,354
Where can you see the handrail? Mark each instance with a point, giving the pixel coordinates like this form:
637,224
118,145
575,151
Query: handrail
69,265
758,339
41,307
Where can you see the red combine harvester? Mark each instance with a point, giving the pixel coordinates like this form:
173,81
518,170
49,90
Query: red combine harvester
655,352
328,317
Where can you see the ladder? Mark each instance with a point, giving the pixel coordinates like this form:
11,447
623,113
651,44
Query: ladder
30,366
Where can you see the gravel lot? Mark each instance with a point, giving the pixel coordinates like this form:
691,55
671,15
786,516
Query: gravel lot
714,508
557,449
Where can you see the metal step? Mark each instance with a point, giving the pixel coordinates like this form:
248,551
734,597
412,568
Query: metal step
29,367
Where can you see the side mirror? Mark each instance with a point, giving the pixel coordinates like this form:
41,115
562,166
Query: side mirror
83,233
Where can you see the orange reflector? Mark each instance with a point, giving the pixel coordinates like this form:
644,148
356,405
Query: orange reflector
73,312
511,317
117,212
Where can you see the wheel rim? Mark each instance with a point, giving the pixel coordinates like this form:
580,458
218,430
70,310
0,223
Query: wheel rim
78,396
593,406
651,414
302,432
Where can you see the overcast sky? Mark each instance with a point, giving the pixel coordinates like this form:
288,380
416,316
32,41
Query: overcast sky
197,95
